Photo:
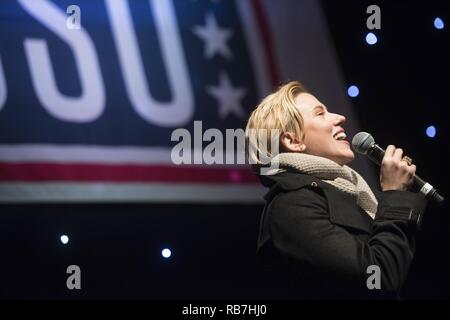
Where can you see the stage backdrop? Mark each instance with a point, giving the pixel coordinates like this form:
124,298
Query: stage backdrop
87,114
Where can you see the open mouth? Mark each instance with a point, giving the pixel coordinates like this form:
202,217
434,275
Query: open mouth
340,136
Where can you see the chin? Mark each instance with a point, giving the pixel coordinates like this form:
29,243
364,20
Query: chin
348,160
345,159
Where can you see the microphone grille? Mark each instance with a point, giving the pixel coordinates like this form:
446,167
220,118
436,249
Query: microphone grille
362,141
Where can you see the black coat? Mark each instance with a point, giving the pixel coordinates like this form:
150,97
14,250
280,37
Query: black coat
316,242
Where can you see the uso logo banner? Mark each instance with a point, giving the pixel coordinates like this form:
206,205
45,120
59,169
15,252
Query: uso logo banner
91,90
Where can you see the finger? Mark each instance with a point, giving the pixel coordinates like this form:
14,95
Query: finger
412,169
389,151
397,156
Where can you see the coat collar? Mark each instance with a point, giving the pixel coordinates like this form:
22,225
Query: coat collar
288,181
343,208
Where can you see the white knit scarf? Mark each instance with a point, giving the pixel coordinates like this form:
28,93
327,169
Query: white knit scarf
343,178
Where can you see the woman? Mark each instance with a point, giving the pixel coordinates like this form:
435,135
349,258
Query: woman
323,232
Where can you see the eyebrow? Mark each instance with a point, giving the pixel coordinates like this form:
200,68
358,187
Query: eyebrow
320,107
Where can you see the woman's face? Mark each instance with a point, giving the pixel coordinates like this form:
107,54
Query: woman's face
321,128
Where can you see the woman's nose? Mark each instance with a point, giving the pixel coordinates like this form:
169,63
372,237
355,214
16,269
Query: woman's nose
340,119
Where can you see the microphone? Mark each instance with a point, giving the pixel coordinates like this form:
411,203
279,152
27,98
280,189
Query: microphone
364,143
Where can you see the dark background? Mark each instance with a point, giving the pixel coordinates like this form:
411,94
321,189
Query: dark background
403,82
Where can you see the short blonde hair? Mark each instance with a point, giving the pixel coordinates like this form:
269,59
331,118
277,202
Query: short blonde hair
278,111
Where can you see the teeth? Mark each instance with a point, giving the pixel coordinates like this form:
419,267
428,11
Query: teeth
340,136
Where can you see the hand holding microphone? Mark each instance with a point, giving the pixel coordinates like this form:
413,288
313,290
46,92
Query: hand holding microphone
397,172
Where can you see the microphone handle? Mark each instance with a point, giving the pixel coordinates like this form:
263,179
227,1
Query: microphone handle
427,190
376,154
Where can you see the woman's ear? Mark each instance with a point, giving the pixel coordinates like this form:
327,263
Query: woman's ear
290,143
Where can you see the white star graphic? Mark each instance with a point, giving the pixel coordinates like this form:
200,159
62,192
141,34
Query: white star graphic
215,38
228,96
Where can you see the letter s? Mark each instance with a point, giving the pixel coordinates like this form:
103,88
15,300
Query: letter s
90,105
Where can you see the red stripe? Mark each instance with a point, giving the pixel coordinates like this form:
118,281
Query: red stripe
45,172
267,42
